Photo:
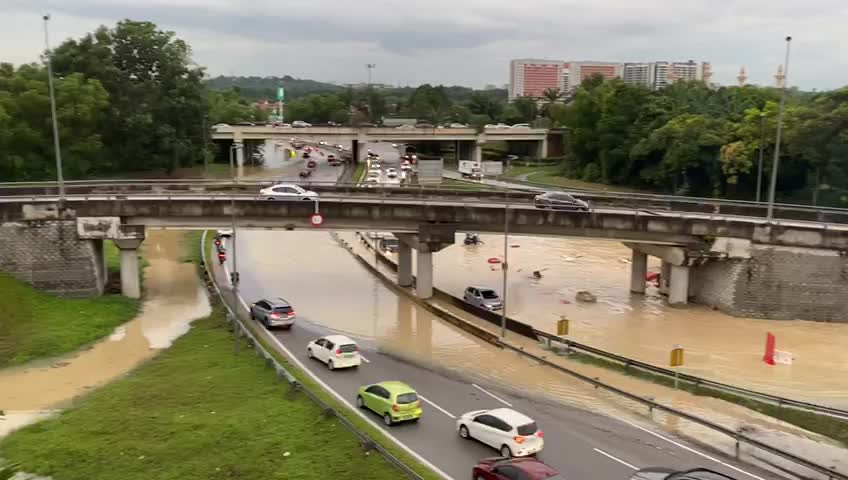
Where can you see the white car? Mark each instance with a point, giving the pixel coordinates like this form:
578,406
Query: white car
521,125
225,232
373,174
322,143
457,125
405,126
511,433
405,166
391,173
300,124
286,191
220,125
337,351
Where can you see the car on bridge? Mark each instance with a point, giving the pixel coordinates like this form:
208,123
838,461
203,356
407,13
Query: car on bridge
526,468
559,201
512,433
394,401
661,473
273,312
336,351
300,124
287,191
483,297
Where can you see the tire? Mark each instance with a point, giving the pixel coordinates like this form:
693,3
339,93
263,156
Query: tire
359,402
330,365
464,433
270,198
252,315
309,353
387,419
506,452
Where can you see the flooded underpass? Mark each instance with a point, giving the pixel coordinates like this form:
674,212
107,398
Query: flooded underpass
173,297
329,287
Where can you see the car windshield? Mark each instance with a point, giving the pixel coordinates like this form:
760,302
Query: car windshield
489,294
349,348
410,397
390,242
528,429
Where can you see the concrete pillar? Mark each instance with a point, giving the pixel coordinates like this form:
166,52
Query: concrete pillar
477,153
130,275
361,151
424,275
543,148
638,271
404,265
679,286
665,277
239,160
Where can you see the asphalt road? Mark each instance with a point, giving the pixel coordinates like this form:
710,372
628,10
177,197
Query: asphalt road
581,444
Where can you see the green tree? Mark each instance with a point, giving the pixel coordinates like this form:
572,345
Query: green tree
551,97
527,109
484,103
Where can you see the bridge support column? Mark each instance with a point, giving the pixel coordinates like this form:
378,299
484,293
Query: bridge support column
679,285
424,274
638,271
361,151
404,265
543,148
130,275
239,160
477,153
665,277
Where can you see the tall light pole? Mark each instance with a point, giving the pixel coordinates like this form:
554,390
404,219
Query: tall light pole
59,177
370,67
205,160
776,162
504,265
760,162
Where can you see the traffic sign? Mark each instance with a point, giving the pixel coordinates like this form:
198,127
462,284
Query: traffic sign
281,94
316,219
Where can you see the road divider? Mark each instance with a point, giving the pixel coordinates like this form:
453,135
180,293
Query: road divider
738,438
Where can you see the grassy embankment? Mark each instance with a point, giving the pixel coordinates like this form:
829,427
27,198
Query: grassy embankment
198,410
38,325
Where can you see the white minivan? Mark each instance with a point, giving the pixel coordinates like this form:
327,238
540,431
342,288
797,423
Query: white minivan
337,351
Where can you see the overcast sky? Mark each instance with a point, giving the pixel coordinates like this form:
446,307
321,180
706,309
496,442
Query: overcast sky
464,42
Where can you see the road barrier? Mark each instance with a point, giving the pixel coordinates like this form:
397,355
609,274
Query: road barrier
652,405
240,329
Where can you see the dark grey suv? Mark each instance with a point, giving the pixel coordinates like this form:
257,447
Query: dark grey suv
559,201
660,473
273,312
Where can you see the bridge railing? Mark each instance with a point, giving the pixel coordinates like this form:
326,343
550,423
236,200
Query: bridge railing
240,329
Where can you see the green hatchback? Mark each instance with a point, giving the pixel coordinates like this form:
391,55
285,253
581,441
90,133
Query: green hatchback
394,401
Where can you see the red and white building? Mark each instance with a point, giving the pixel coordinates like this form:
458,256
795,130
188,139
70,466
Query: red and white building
530,77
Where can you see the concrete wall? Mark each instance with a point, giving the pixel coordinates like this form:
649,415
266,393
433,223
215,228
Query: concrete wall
783,283
49,255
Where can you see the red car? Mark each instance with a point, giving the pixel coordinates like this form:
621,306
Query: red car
524,468
311,164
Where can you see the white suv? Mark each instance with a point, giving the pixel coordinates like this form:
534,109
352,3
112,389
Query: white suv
512,433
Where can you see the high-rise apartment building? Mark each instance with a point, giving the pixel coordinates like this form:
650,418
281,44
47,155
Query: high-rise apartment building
658,75
580,71
530,77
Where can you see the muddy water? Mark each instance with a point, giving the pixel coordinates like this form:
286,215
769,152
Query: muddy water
718,346
173,297
328,287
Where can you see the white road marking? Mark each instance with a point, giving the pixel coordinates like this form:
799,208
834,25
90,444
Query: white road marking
689,449
437,407
478,387
345,401
364,359
615,458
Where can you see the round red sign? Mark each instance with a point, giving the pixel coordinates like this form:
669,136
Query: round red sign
316,219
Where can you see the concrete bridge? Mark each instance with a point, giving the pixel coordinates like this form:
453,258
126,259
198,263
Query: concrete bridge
468,140
742,265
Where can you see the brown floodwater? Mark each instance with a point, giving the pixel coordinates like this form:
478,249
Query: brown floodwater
174,297
310,268
718,346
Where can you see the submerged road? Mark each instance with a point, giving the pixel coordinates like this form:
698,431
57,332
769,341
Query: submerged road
580,444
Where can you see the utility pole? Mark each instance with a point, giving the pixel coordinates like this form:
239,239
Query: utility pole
762,148
58,151
205,160
504,265
776,162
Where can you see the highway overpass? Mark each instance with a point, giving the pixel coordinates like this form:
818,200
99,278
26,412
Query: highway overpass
745,265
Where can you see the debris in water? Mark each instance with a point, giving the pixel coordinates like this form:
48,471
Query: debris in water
60,364
564,301
286,454
624,260
585,296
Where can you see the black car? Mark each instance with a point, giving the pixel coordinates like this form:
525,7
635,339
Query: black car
559,201
661,473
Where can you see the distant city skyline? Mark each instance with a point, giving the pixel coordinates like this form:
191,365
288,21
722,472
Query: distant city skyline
470,46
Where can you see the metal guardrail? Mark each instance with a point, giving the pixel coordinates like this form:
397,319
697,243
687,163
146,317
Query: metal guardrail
653,405
697,381
242,330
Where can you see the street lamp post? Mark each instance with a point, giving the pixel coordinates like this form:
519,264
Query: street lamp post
60,180
775,164
760,162
205,161
504,265
370,67
234,276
